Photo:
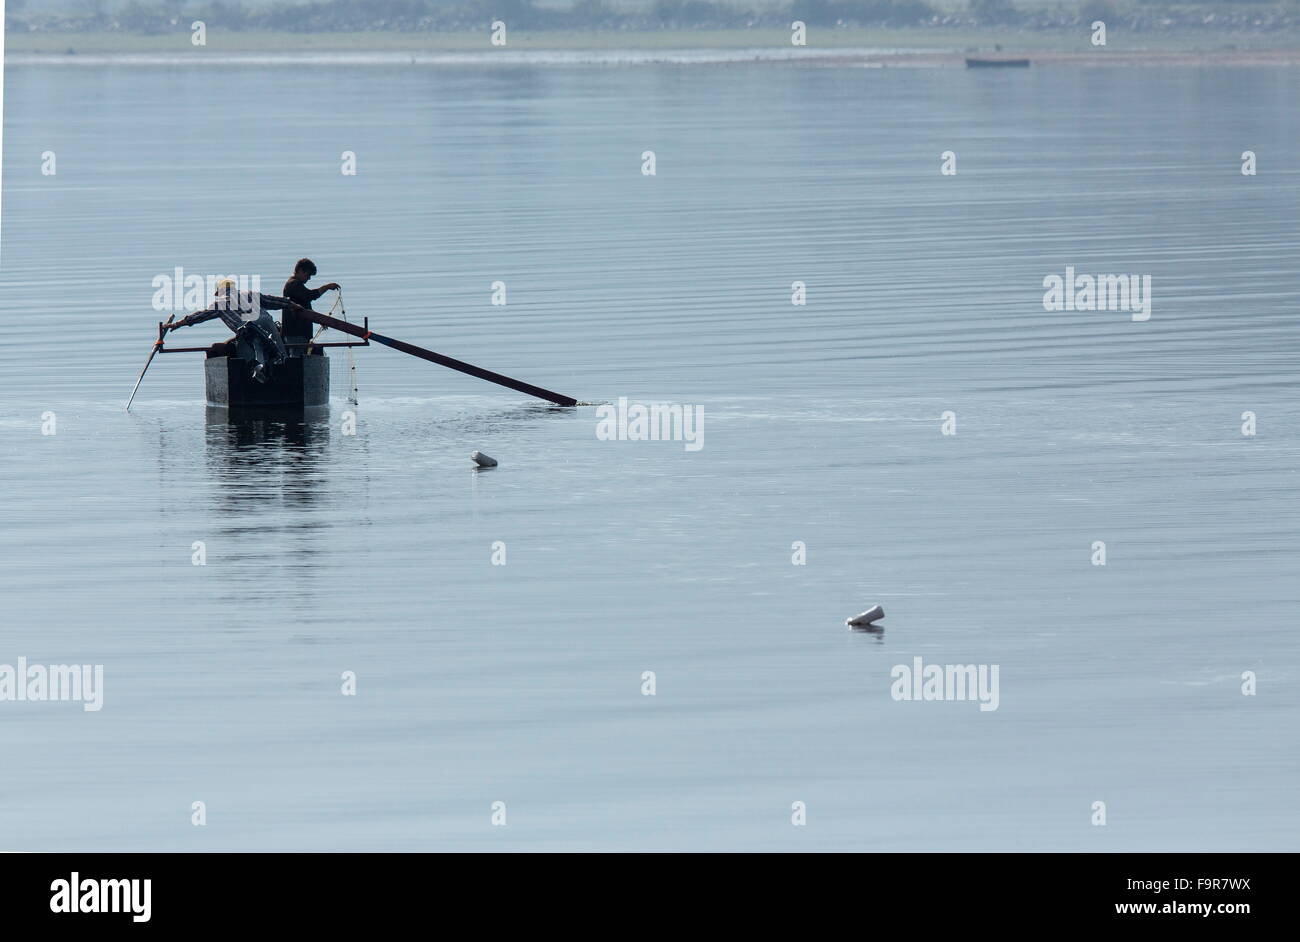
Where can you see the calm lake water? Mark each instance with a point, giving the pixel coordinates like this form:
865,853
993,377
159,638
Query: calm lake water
522,683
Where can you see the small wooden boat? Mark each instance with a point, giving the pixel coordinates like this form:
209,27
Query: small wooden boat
303,382
997,63
297,383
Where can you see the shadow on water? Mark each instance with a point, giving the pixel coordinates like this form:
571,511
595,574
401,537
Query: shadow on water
447,420
267,462
272,501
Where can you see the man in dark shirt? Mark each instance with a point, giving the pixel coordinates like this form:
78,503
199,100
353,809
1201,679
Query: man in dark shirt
297,329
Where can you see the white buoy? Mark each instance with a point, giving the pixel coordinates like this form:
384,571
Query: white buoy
866,618
482,460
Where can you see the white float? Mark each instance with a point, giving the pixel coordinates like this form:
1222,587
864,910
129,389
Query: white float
866,618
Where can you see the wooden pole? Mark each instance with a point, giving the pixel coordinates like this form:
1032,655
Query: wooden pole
162,329
356,331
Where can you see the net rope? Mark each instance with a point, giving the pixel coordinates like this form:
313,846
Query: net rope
352,360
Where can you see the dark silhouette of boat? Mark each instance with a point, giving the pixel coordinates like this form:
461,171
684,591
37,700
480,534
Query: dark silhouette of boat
297,383
302,380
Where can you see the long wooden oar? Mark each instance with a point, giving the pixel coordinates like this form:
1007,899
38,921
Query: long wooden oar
157,343
357,331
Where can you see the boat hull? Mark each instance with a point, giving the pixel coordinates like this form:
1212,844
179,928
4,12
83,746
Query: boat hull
997,63
297,383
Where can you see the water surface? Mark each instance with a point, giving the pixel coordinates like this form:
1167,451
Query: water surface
521,683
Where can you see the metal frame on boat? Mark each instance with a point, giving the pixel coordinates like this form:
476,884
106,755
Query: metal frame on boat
300,382
307,385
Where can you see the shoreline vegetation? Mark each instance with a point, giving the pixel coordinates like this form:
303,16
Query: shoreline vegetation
871,32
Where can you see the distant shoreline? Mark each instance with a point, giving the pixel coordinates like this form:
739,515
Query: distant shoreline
930,47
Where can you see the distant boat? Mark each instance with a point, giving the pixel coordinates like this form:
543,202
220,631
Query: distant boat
301,382
997,63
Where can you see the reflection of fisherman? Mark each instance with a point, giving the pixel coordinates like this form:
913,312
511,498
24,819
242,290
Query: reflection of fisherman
257,339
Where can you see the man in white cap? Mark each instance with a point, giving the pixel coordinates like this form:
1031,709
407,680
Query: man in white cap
257,339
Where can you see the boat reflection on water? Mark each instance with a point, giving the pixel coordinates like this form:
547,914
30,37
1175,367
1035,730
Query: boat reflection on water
271,504
245,427
266,460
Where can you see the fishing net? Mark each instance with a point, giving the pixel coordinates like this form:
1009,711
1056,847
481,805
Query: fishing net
352,360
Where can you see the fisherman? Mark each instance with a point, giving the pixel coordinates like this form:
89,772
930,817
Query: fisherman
257,339
296,328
